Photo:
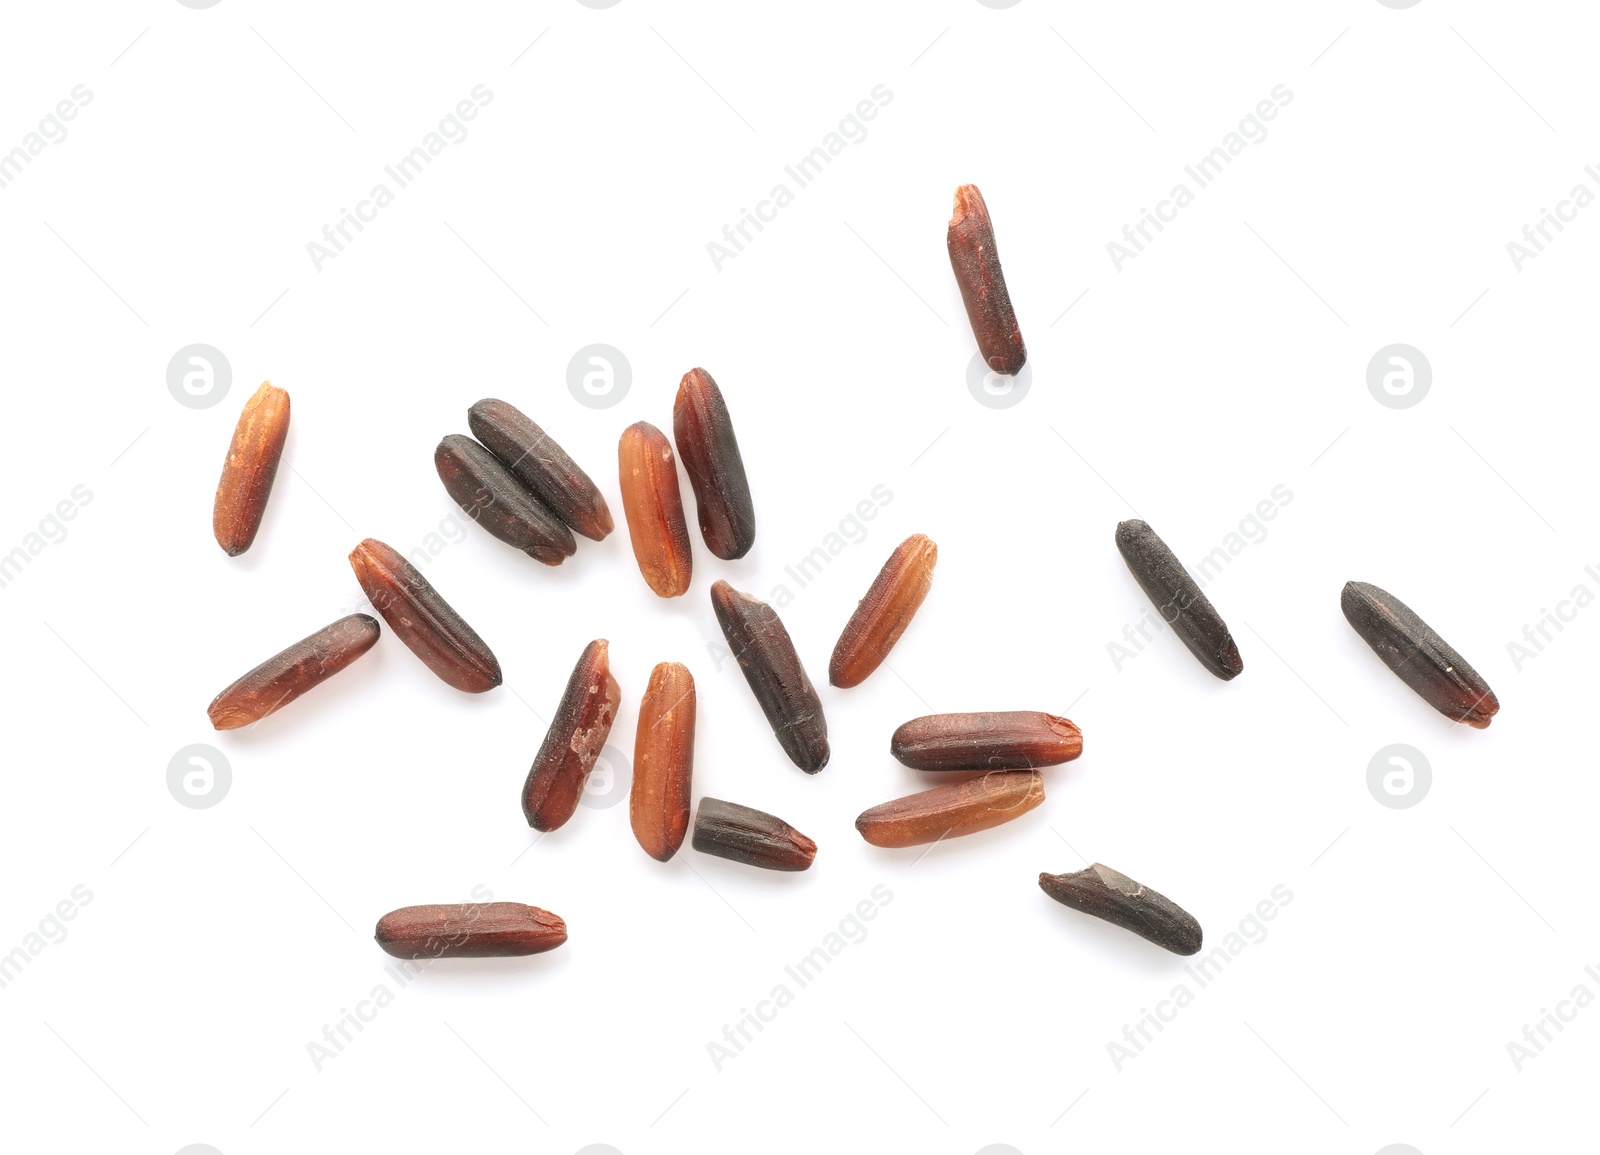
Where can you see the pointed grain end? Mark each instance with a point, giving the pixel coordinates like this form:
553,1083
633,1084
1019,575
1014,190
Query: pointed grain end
968,203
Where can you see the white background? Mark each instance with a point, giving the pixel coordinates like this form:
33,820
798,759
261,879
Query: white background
1227,359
